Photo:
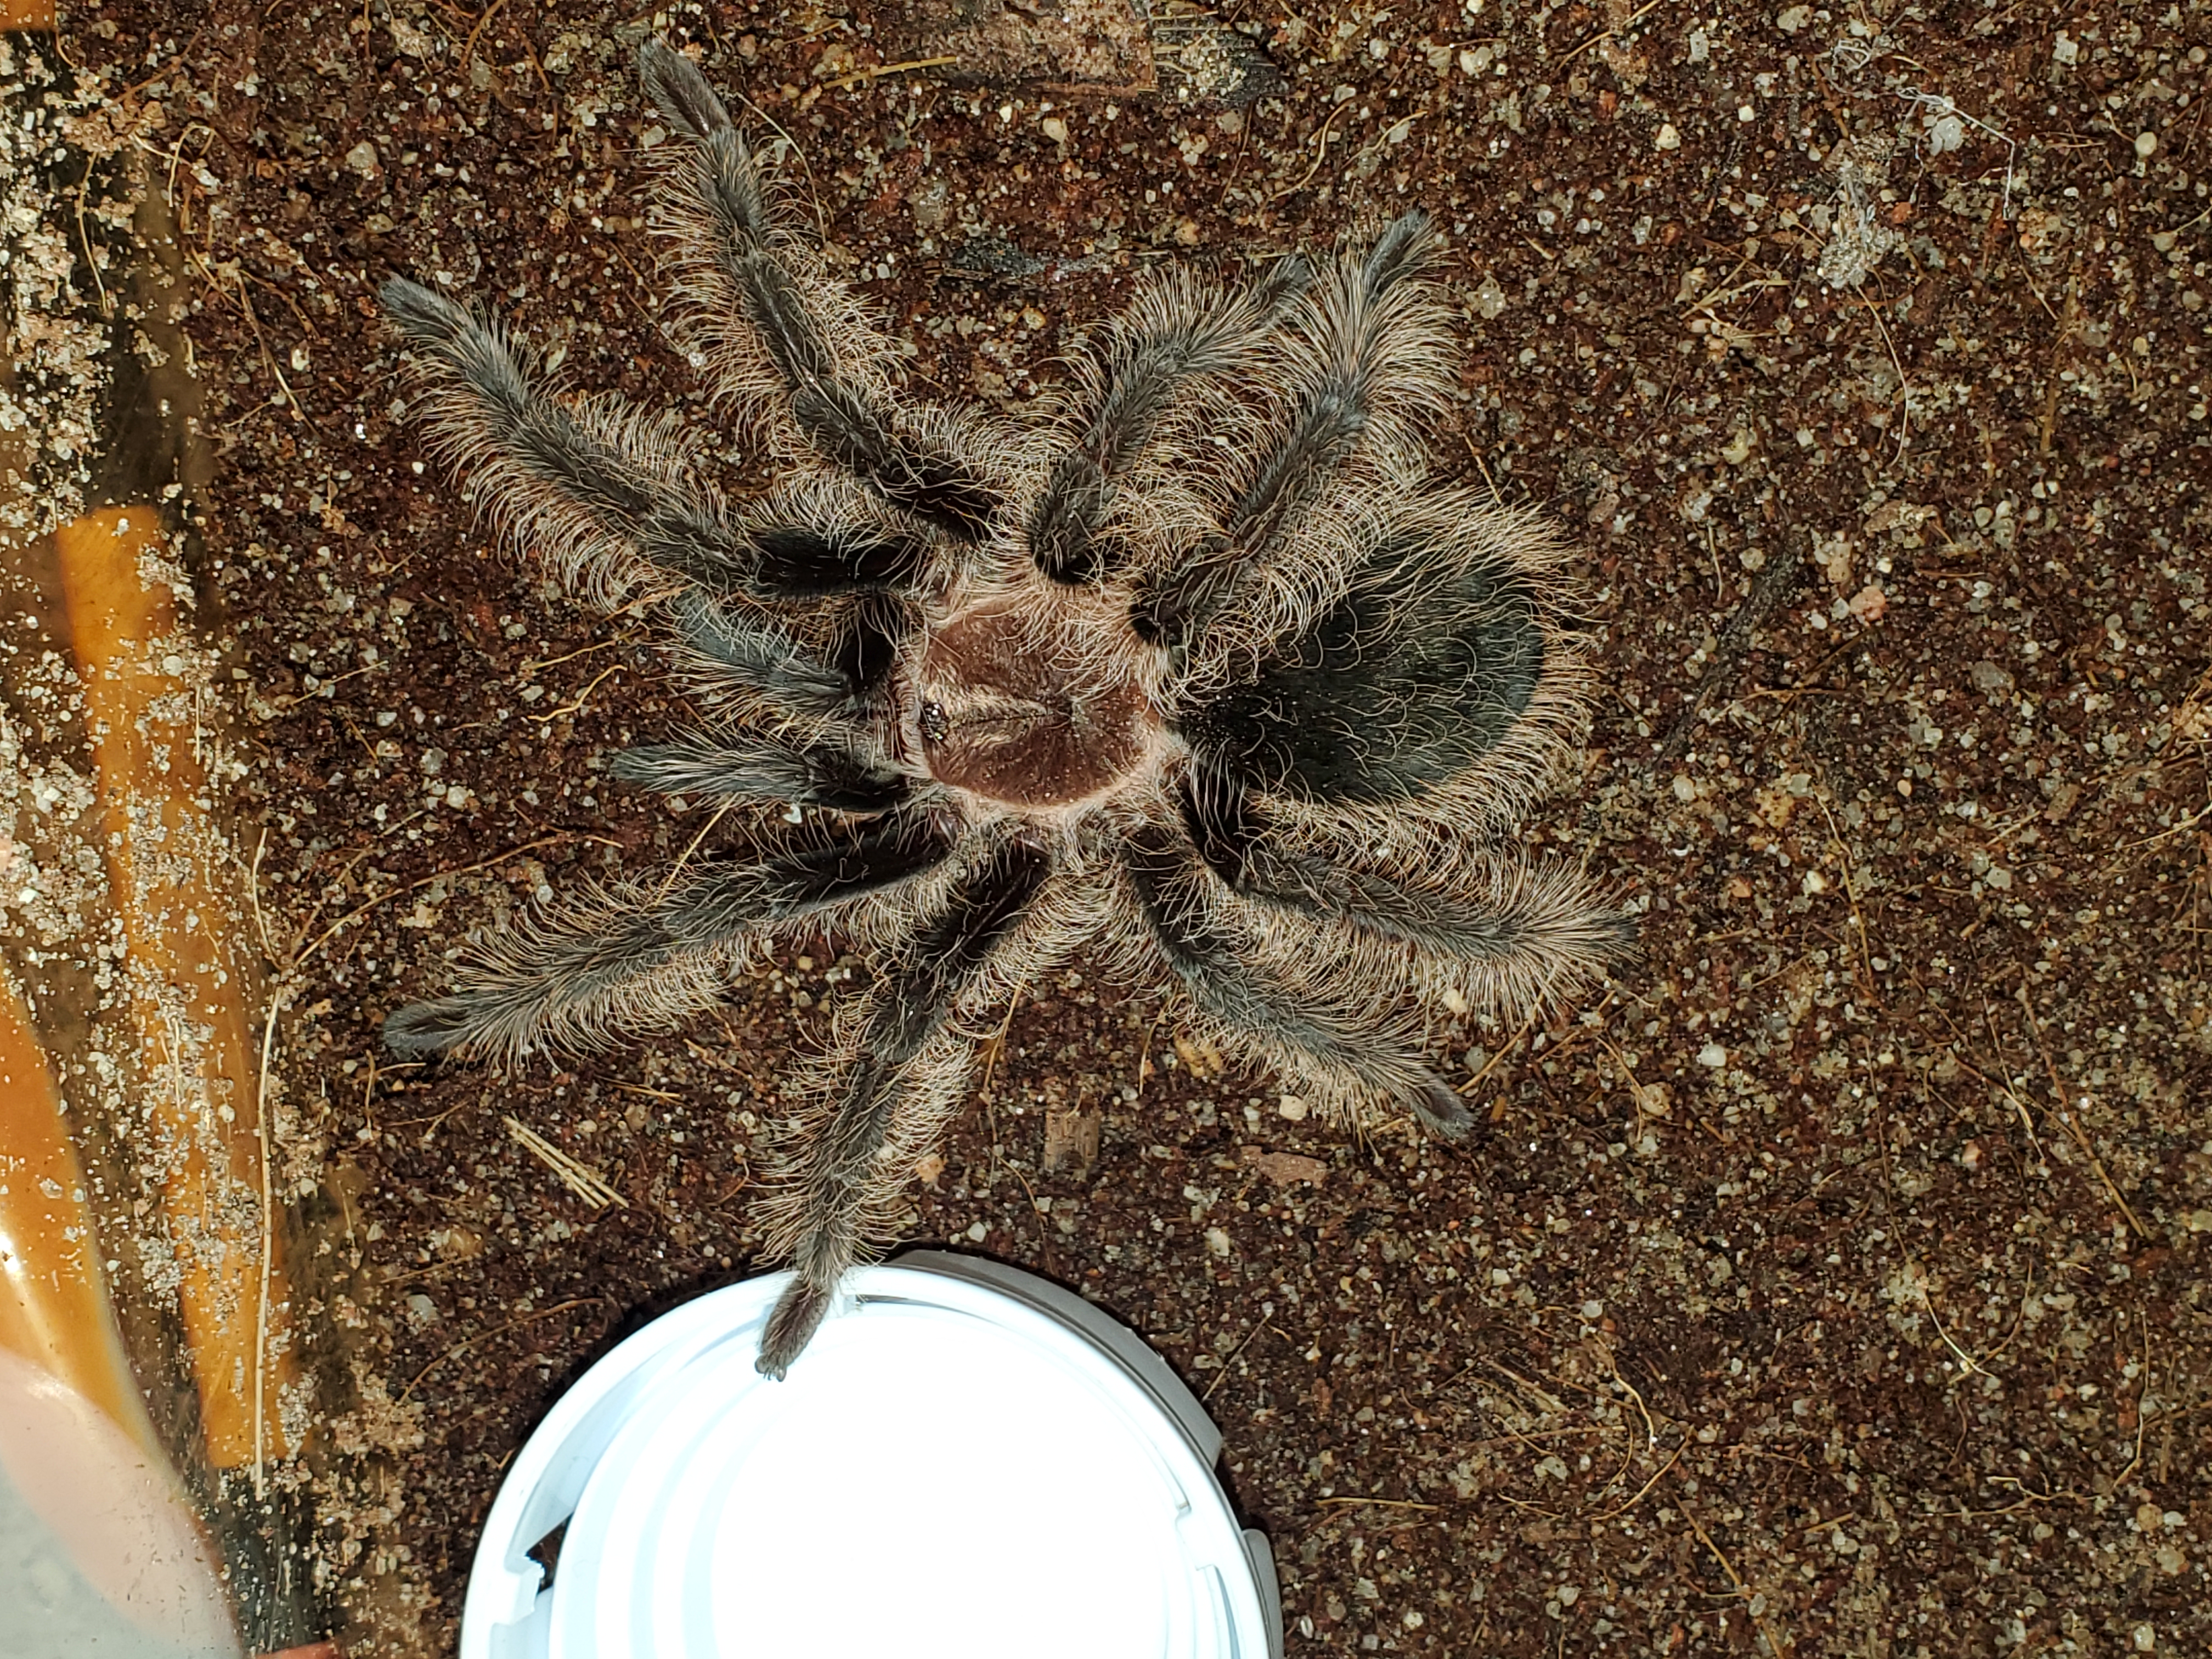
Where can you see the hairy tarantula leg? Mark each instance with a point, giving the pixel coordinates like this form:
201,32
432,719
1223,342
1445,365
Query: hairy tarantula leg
840,685
1354,348
1173,333
901,1057
1533,928
818,535
605,963
764,769
739,265
752,654
1324,1036
637,959
1367,348
589,487
866,647
810,880
800,560
599,490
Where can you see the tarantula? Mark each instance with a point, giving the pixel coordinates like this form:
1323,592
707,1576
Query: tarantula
1198,674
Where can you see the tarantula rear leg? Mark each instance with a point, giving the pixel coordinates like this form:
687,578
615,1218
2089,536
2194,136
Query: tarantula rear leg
903,1066
1352,1053
1514,932
843,1181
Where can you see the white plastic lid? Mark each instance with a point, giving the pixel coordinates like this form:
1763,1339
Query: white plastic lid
965,1460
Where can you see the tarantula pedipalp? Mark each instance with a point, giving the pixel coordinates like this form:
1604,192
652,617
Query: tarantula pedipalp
1197,674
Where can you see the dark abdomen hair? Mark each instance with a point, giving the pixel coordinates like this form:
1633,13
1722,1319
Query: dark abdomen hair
1406,682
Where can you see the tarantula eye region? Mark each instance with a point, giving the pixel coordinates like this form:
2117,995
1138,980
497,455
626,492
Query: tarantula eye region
936,725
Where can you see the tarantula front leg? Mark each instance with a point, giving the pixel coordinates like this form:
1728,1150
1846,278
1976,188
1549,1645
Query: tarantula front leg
1352,1052
901,1065
774,327
1175,332
597,491
1365,355
637,959
600,490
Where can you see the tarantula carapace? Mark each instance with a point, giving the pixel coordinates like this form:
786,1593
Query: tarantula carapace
1197,677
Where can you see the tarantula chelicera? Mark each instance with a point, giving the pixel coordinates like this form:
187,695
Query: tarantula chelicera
1197,676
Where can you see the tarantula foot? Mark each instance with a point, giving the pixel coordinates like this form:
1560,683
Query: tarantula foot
430,1028
798,1314
1442,1112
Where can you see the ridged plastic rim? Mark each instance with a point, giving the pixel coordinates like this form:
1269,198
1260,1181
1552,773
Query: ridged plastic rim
610,1467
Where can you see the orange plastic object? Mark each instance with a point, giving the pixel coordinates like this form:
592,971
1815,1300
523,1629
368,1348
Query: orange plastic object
74,1439
116,1514
53,1297
186,979
27,13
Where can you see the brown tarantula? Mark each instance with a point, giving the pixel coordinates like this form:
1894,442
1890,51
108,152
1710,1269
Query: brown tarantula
1197,676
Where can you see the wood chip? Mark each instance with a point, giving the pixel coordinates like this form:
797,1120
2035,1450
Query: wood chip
1071,1142
1199,1057
1283,1167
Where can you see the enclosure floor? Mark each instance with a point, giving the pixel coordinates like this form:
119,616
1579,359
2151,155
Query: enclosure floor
1832,1280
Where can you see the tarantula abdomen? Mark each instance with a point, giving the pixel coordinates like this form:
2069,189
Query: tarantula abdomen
1250,719
1404,683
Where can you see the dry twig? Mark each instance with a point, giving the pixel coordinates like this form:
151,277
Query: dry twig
578,1177
2066,1119
877,71
1778,1645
